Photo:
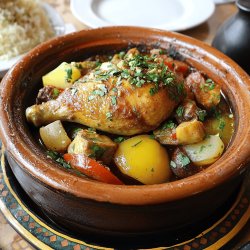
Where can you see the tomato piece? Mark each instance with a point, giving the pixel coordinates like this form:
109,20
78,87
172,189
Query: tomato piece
174,137
180,67
169,62
91,168
176,66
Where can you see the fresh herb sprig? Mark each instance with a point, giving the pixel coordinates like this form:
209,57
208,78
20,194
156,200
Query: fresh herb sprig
58,158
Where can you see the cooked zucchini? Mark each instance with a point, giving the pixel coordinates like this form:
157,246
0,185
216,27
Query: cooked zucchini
206,152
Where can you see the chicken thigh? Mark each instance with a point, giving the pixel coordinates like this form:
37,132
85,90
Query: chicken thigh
110,104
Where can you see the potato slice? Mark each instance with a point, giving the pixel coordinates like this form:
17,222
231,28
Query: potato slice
190,132
55,137
143,159
206,152
63,76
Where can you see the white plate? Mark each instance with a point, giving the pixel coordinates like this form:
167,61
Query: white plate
223,1
58,25
173,15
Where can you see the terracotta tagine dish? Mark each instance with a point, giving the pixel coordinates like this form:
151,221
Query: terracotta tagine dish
85,205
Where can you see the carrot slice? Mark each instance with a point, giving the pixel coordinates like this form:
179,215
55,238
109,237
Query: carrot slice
91,168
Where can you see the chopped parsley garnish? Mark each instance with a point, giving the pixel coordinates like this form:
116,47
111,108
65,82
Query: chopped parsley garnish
125,74
101,91
136,143
152,136
103,88
78,65
122,54
183,159
113,100
180,89
162,52
216,112
180,111
173,164
153,90
109,116
119,81
211,84
142,69
169,124
52,154
208,85
105,75
55,93
119,139
222,124
97,151
91,129
98,63
58,158
98,92
201,114
62,162
69,74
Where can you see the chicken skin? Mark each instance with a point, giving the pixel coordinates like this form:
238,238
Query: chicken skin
111,104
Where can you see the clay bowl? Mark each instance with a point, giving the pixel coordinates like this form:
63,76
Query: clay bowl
86,206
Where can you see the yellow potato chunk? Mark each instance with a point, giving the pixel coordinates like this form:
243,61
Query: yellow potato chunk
190,132
55,137
206,152
63,76
143,159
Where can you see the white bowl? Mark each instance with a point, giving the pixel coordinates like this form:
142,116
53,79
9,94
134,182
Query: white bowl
58,25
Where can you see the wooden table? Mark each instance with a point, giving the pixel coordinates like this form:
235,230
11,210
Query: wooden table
9,239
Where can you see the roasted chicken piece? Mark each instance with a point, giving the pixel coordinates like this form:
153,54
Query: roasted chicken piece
115,100
207,92
125,110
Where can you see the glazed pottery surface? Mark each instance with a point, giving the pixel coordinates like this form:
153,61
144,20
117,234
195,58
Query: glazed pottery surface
83,205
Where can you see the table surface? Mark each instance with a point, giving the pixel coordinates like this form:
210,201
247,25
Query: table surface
9,239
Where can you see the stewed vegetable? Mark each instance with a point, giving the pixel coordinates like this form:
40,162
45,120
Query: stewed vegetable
144,159
141,116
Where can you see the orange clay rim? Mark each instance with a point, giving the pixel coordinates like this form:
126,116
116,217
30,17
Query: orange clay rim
34,161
